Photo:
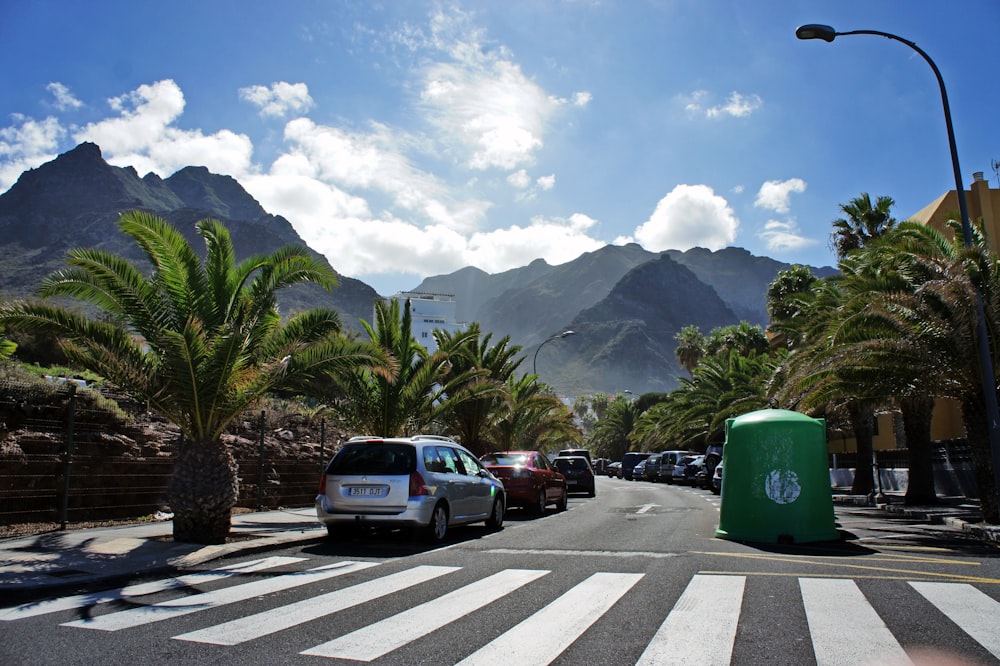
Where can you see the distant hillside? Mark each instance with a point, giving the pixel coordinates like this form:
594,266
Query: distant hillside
75,200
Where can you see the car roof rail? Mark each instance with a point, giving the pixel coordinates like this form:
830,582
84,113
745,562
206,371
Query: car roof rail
438,438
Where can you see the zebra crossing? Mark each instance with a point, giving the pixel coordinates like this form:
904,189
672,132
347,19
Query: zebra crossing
843,626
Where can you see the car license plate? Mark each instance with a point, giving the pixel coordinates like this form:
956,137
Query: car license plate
571,482
366,491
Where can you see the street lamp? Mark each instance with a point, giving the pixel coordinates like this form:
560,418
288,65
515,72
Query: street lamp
828,34
534,361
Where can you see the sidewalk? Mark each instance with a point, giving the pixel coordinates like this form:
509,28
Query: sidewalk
958,512
65,559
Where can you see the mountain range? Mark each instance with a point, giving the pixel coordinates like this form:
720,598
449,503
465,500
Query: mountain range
624,304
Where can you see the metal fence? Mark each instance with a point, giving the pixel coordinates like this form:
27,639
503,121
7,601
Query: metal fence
70,456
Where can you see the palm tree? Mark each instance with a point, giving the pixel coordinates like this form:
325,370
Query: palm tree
200,341
862,223
410,400
690,347
478,374
610,435
532,419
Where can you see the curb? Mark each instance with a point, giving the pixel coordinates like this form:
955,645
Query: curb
943,514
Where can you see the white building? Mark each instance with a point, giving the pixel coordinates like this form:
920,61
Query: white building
429,312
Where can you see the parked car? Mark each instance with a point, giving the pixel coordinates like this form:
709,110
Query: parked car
615,470
651,470
631,459
639,471
667,461
713,456
425,482
529,479
578,472
680,473
717,479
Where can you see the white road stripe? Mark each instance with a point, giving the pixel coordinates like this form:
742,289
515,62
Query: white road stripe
976,613
709,609
377,639
269,622
204,601
140,589
546,634
845,629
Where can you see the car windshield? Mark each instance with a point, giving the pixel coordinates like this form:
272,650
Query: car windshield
570,463
381,459
505,460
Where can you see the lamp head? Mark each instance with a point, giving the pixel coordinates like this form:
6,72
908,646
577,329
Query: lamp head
816,31
566,334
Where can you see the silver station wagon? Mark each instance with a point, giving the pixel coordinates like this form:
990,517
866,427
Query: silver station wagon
424,482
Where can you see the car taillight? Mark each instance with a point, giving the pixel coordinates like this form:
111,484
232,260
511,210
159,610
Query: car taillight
322,484
417,485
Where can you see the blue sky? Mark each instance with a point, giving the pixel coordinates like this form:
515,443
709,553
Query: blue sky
407,138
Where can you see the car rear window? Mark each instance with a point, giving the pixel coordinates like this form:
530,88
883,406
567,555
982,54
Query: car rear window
505,460
382,459
570,463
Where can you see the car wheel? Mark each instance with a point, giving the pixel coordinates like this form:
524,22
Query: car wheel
495,521
593,491
563,501
332,532
540,502
437,528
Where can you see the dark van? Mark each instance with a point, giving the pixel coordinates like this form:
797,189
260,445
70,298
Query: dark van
631,459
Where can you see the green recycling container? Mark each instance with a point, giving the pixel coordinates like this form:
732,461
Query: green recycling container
776,479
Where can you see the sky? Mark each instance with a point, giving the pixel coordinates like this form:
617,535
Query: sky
404,138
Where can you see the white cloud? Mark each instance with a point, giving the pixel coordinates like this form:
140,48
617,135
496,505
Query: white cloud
736,105
519,179
279,99
25,145
481,101
784,236
547,182
775,194
689,216
582,98
64,98
143,135
375,162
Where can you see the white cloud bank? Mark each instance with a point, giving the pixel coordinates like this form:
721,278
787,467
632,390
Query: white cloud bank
689,216
279,99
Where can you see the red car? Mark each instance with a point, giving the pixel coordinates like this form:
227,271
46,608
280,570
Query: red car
529,479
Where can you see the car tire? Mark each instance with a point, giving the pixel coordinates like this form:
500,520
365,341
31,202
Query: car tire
437,528
593,492
495,521
540,502
563,501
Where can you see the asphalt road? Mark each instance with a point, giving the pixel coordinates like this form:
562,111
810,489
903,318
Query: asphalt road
634,575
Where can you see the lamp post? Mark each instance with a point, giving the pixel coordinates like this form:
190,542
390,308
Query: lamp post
534,361
828,34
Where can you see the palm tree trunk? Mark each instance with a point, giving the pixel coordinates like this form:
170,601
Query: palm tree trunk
203,489
863,423
917,413
974,416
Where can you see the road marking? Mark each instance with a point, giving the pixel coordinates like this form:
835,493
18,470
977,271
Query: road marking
545,635
220,597
709,609
647,507
383,637
585,553
815,561
973,611
277,619
141,589
844,627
